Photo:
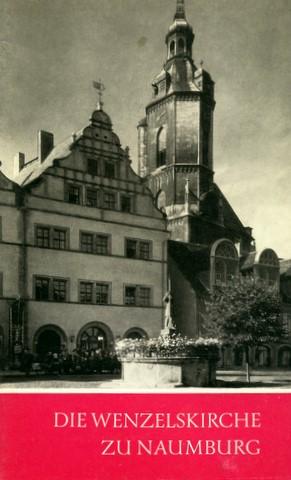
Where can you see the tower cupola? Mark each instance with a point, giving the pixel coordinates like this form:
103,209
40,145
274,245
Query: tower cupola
180,37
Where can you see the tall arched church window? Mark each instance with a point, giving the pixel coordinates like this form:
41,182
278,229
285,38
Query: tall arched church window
220,271
161,147
269,267
224,262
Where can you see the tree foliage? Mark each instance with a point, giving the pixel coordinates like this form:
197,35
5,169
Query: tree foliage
245,312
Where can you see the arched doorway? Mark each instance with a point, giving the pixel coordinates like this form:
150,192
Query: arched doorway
284,357
49,338
239,356
135,334
263,357
95,337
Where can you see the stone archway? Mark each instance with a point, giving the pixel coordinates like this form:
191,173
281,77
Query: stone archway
263,357
95,336
49,338
135,333
284,357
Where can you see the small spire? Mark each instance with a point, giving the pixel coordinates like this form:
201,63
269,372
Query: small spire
100,87
180,10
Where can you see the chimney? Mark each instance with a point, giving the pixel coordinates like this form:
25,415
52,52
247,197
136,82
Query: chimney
18,163
45,144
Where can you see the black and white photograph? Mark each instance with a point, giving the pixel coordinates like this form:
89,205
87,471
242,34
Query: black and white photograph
145,226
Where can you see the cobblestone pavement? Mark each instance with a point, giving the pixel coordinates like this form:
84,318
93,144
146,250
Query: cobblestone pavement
107,381
72,381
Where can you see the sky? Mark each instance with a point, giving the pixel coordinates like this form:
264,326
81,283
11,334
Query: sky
51,51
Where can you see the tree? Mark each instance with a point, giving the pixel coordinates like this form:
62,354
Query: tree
244,313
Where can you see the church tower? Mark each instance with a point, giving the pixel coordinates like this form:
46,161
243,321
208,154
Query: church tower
175,139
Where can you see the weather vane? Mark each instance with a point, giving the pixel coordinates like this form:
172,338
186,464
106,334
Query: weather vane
100,87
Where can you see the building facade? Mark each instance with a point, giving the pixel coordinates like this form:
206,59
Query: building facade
284,352
89,248
83,247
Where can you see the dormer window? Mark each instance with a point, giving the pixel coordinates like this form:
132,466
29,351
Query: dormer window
268,268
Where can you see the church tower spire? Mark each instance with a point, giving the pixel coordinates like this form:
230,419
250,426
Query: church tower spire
179,38
180,10
175,138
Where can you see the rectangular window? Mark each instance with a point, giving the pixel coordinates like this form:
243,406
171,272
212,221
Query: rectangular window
74,194
51,237
59,239
137,295
91,197
41,288
94,292
92,166
144,296
102,294
87,242
137,249
109,169
130,295
95,243
131,248
102,244
42,237
109,200
144,250
125,203
86,292
59,290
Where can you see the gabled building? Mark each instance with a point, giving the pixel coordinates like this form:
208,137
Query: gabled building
83,247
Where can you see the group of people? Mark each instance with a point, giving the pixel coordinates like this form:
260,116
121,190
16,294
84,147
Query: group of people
78,361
